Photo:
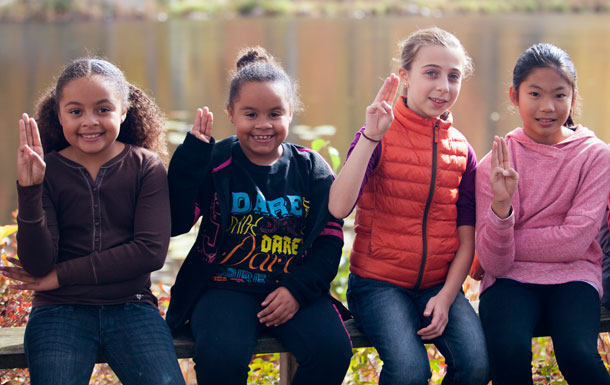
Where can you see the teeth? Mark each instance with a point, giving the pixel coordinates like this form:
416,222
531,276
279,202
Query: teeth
90,136
262,137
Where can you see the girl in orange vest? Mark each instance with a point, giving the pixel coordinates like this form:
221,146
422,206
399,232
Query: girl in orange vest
411,175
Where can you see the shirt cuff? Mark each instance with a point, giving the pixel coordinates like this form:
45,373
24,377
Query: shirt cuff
501,228
30,203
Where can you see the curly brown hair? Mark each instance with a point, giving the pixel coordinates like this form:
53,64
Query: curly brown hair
144,124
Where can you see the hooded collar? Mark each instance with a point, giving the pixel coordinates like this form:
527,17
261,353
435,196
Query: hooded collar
580,134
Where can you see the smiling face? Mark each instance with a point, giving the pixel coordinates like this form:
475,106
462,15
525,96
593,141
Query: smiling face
261,114
433,80
90,113
545,100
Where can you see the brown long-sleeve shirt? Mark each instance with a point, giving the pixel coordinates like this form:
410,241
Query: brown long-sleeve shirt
103,237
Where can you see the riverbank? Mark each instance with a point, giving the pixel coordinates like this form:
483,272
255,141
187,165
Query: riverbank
162,10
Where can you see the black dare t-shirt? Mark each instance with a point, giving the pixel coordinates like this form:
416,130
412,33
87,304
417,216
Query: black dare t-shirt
268,211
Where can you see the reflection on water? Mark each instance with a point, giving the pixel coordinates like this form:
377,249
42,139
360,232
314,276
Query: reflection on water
339,63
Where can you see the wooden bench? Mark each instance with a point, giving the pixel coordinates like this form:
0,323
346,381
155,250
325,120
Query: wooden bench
12,355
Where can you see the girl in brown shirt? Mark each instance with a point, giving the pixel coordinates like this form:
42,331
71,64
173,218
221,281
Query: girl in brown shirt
93,222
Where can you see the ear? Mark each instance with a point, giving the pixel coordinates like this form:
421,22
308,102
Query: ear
574,97
59,118
403,74
230,113
290,115
123,115
514,96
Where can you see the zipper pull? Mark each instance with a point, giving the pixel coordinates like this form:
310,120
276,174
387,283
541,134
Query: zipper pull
436,132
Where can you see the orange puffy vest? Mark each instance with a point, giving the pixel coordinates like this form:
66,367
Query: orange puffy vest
406,231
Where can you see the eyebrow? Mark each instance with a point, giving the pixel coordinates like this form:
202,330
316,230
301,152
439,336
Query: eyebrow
254,108
101,101
437,66
540,88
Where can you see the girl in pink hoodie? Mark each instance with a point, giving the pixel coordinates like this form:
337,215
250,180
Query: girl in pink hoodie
540,197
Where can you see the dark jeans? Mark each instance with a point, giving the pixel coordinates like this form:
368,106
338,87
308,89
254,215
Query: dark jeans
512,312
225,328
63,341
391,315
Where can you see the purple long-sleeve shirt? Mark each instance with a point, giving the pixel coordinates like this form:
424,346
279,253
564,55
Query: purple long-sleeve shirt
466,208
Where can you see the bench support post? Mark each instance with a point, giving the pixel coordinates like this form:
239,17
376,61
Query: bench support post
288,367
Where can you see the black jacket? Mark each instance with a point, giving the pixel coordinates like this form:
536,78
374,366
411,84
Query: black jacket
199,183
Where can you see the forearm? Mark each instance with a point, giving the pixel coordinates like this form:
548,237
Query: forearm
459,267
185,174
496,245
117,264
311,278
37,248
494,236
346,188
556,244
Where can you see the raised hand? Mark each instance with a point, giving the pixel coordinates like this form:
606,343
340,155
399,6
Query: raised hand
502,177
30,156
379,115
202,126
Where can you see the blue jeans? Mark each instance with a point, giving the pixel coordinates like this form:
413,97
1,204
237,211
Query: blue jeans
63,341
225,328
390,317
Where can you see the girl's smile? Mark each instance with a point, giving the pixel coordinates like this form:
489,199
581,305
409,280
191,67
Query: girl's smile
438,102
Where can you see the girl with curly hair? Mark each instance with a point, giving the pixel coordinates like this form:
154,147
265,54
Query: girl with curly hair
94,222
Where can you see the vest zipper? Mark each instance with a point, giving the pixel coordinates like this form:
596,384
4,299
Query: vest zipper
427,208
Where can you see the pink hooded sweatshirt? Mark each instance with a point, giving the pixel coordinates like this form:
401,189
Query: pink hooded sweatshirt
550,236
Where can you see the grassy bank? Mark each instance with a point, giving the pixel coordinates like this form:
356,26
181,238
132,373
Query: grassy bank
72,10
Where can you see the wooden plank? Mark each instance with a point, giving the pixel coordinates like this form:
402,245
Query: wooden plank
604,320
288,368
185,346
12,355
11,348
359,340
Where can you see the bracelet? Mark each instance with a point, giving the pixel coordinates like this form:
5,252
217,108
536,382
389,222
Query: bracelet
371,139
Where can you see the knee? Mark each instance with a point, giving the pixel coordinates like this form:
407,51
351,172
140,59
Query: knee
411,372
475,372
329,356
220,363
504,350
468,365
577,359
